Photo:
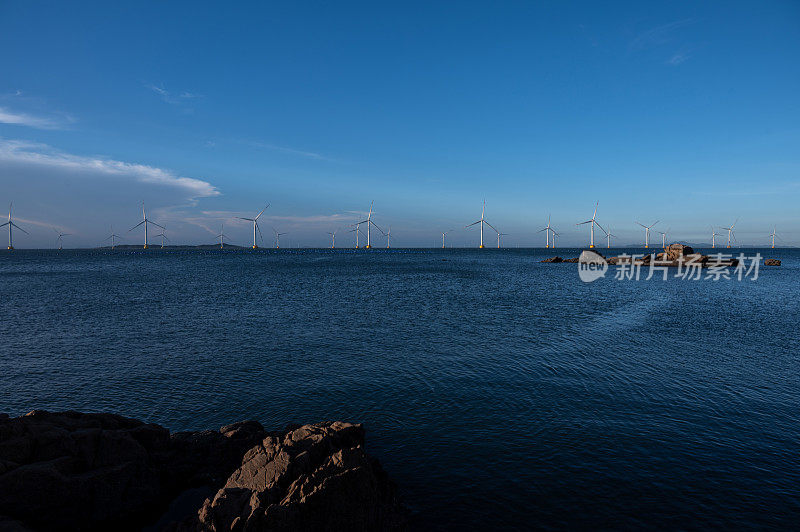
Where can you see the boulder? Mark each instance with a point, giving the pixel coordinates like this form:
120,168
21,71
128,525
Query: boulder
772,262
676,251
553,259
316,477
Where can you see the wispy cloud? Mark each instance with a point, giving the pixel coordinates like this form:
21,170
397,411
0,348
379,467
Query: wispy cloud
659,35
8,116
212,143
677,58
43,155
181,98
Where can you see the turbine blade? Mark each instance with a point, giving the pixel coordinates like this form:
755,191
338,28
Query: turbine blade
490,225
20,228
135,226
473,223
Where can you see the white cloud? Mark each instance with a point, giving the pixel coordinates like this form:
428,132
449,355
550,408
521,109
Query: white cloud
23,119
31,153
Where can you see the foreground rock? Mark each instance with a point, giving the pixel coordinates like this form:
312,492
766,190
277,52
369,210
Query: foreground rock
772,262
74,471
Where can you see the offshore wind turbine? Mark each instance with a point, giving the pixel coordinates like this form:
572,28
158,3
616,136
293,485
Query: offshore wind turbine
163,237
256,228
444,235
145,221
499,234
10,223
221,236
278,238
60,238
369,223
730,232
333,239
482,221
547,231
608,238
773,235
663,238
593,222
113,237
554,237
714,236
647,232
388,237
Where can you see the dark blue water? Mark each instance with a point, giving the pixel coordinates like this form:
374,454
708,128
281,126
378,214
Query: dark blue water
497,391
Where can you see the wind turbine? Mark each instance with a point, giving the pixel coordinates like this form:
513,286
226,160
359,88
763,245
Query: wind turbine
498,238
113,238
10,223
369,223
482,221
255,226
444,235
773,235
388,236
144,221
278,238
608,238
593,222
554,237
163,237
547,230
647,233
663,238
221,236
714,236
60,239
333,239
730,232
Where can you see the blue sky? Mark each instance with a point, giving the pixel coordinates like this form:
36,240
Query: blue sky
683,112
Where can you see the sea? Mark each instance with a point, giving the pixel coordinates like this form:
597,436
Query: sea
497,391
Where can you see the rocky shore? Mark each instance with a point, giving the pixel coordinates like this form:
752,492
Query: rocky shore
77,471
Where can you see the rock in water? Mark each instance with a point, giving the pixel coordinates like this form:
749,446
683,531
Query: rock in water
590,256
676,251
772,262
553,259
317,477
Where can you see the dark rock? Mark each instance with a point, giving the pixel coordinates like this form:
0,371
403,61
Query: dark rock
772,262
573,259
553,259
74,471
317,477
676,251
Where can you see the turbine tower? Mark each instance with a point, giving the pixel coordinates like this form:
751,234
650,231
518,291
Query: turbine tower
113,237
663,238
10,223
714,236
278,238
647,233
369,223
221,236
554,237
144,221
498,238
60,238
547,231
444,235
256,228
773,235
608,238
388,237
593,222
482,221
333,239
730,232
163,238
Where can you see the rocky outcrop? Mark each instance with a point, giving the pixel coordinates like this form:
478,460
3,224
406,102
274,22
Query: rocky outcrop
772,262
317,477
553,259
75,471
